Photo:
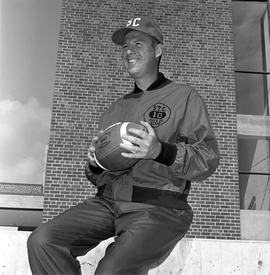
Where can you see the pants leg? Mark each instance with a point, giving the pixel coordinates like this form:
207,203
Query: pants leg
145,234
53,246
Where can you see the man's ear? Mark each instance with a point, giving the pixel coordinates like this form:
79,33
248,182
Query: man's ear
159,49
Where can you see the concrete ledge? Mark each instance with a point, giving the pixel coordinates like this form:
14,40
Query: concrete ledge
21,201
20,217
252,125
255,225
190,257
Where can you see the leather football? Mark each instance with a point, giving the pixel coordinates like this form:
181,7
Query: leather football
107,147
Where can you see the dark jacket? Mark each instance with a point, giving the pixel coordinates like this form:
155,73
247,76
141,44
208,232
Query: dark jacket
189,147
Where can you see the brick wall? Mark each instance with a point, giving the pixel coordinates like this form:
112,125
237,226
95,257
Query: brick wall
198,51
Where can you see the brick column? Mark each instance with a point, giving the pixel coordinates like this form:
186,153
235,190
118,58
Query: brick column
198,51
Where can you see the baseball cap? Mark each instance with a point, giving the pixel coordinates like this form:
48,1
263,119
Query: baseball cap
143,24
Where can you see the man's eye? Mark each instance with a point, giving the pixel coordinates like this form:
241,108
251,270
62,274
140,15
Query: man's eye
138,43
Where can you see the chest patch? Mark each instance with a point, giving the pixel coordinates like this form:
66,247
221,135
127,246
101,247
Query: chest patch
157,114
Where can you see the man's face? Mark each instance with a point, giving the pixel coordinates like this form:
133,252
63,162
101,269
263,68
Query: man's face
139,55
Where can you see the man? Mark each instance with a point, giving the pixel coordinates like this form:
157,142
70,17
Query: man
144,207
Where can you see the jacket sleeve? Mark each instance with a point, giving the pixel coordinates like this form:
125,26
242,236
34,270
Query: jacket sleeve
92,173
197,154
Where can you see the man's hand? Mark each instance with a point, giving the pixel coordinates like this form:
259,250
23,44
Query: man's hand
91,151
144,146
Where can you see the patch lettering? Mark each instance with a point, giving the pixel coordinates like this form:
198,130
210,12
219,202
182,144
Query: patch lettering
157,114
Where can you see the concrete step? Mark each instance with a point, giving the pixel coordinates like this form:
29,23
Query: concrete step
190,257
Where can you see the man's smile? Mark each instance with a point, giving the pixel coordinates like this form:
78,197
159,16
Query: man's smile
133,61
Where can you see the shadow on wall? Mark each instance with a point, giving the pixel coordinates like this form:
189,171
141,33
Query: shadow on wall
174,264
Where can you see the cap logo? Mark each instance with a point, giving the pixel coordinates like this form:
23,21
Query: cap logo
134,22
141,23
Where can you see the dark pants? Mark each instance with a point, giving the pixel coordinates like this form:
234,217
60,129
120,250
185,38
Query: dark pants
144,234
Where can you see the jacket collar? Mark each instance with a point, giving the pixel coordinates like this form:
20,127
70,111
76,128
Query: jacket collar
160,82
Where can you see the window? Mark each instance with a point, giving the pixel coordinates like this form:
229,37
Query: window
252,56
252,79
254,173
251,95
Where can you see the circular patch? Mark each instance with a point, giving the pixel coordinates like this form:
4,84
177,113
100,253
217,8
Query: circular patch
157,114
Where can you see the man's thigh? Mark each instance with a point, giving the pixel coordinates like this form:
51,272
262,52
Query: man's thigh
80,228
145,235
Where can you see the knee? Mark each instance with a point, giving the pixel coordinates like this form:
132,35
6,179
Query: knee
37,238
112,268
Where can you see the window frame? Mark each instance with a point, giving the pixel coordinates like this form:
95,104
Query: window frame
246,123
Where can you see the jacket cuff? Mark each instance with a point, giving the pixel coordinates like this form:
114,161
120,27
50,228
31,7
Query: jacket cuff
167,153
95,169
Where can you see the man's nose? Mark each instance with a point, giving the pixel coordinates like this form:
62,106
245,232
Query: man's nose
130,50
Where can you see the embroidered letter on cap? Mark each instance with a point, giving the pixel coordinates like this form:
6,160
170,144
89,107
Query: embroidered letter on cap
134,22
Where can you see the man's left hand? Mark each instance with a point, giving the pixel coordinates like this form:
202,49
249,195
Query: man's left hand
144,146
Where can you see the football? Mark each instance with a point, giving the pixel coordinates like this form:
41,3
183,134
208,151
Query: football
107,147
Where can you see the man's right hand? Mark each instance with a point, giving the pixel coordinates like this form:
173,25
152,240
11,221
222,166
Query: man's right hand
91,151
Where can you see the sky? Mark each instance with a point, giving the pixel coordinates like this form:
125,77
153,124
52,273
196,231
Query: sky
28,46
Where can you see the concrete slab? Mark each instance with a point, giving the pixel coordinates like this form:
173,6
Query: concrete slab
21,201
190,256
255,225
